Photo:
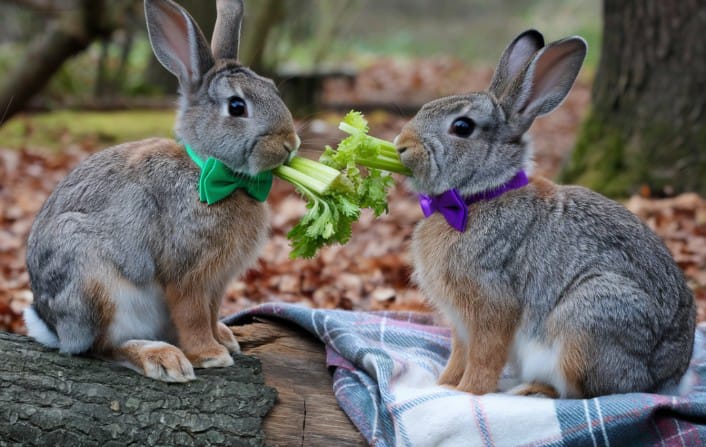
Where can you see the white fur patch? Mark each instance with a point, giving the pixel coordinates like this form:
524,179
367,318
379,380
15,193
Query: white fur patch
140,313
38,329
536,362
455,320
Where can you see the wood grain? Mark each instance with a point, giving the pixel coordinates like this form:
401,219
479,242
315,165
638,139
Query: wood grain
294,362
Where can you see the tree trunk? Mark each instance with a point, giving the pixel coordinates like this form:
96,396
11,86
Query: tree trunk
50,399
262,19
647,124
70,34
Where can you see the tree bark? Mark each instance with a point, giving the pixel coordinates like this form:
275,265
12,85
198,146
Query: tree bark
647,124
47,399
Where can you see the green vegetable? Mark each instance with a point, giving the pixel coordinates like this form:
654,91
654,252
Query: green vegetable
367,150
377,155
336,188
331,209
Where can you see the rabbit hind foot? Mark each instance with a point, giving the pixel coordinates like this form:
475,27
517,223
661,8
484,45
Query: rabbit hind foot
156,360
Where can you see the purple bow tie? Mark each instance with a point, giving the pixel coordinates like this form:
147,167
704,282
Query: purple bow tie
454,208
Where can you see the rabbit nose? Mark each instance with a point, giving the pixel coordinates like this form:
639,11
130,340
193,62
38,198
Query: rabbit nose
292,146
404,140
396,142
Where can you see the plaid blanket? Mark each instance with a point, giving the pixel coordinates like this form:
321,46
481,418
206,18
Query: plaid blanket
385,380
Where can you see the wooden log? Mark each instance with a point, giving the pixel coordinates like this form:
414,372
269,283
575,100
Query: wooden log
294,362
51,399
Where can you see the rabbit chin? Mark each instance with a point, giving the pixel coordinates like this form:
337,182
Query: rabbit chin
422,184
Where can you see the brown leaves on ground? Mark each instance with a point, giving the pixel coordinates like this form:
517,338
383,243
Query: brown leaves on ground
26,179
371,272
681,223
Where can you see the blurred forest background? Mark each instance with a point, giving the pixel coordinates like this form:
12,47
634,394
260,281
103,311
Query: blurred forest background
79,75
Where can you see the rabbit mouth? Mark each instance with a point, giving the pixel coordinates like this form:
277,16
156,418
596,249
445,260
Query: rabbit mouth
268,153
427,176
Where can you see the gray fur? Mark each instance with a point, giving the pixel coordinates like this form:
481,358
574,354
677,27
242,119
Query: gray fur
581,263
575,263
226,33
129,219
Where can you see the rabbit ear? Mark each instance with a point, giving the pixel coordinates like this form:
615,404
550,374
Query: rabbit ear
514,59
226,33
177,41
545,82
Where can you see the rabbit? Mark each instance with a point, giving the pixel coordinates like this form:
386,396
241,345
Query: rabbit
561,283
125,262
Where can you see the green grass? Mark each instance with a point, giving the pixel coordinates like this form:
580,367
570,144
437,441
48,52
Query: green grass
58,129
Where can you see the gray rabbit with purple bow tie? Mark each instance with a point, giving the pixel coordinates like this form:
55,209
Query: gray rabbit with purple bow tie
569,287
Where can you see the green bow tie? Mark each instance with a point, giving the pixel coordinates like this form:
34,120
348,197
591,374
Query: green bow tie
217,181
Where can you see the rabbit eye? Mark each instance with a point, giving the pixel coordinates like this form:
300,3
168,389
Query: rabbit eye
236,106
463,127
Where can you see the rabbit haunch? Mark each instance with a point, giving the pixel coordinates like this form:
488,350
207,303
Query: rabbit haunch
125,262
567,286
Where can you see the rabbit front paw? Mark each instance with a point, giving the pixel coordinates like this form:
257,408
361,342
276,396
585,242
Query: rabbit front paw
157,360
479,380
216,356
456,364
225,337
451,375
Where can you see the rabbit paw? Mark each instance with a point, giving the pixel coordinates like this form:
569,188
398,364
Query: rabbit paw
225,337
160,361
534,389
215,357
450,377
448,387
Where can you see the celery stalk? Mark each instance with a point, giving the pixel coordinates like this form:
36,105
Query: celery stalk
385,155
299,178
321,171
385,164
336,190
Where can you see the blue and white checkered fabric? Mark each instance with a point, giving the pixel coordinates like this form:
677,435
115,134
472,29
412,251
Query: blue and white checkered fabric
385,380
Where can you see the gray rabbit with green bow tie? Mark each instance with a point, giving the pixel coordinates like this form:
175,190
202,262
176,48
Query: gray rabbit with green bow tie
126,261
